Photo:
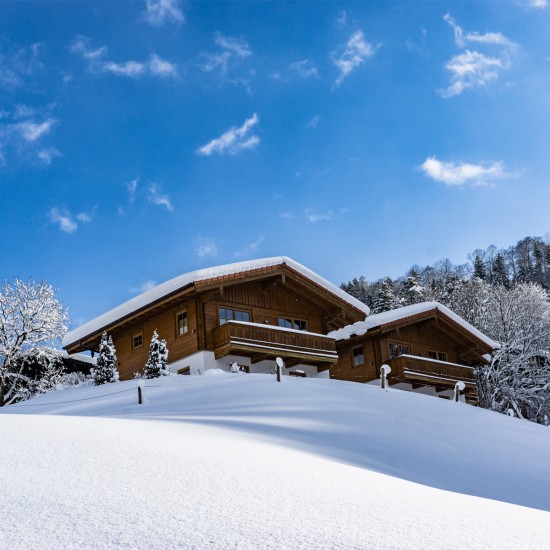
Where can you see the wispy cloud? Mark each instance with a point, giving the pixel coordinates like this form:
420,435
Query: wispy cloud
131,188
541,4
455,174
97,62
156,197
250,249
18,65
314,217
473,69
352,55
287,215
231,47
313,122
143,287
462,38
31,131
22,132
159,12
206,247
304,68
234,141
48,155
341,20
66,221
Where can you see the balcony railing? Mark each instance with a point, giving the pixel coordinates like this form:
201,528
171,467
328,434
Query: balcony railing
258,341
409,368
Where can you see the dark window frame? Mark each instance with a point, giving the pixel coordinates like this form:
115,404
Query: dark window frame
234,311
402,349
295,323
135,336
186,331
355,355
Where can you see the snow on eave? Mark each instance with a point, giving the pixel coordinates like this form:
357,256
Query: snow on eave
180,282
387,317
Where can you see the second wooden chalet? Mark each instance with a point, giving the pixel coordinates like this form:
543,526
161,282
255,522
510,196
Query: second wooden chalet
247,313
428,347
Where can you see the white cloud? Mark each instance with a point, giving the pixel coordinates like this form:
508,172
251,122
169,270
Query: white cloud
461,38
47,155
471,70
132,69
342,19
31,131
16,67
156,197
457,174
159,12
97,62
160,67
86,217
234,141
539,3
352,55
206,247
287,215
131,187
304,68
312,217
143,287
314,121
250,249
64,219
231,47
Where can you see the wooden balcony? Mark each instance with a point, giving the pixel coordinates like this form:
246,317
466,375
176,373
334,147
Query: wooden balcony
421,371
260,342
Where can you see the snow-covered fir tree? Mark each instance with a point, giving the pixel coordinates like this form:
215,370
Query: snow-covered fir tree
499,273
384,299
157,363
105,371
412,292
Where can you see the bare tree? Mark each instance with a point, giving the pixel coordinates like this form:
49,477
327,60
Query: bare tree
30,317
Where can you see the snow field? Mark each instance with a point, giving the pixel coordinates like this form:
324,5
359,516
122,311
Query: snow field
239,461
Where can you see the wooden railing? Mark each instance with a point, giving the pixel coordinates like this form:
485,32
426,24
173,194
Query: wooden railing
410,364
265,338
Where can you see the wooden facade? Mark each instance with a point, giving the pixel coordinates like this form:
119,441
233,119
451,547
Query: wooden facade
424,349
235,315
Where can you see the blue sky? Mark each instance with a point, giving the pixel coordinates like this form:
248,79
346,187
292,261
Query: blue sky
140,140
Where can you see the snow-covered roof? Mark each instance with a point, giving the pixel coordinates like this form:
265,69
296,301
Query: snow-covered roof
379,319
177,283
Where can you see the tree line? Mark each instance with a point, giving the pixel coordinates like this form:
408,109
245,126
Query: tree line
505,294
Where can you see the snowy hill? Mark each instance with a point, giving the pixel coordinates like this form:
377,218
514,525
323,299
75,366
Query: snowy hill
239,461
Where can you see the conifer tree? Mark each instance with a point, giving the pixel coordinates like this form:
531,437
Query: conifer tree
412,292
384,299
106,370
479,269
157,364
500,276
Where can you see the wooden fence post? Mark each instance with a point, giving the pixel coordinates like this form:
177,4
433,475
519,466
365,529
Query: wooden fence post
384,371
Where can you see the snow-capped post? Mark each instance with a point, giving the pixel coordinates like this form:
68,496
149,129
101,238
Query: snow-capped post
459,387
280,365
384,371
140,392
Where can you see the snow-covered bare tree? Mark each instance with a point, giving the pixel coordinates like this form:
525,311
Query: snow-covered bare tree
31,317
157,363
105,370
518,377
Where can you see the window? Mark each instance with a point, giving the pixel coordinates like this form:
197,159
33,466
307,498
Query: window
227,314
186,371
181,323
358,356
439,355
398,349
296,324
137,340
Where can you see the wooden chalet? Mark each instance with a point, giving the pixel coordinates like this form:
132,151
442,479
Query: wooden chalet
247,313
428,347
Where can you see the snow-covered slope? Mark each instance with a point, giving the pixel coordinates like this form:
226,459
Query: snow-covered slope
239,461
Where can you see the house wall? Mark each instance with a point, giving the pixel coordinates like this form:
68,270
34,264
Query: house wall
419,337
133,360
264,303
